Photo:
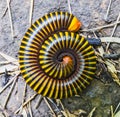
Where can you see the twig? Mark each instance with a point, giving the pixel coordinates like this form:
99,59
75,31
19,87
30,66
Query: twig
9,82
31,11
39,101
10,92
53,104
91,113
49,106
24,92
5,10
69,6
115,26
30,110
100,27
108,10
10,16
111,108
117,107
31,98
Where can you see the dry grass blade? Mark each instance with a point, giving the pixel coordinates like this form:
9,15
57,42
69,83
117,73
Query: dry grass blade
9,58
9,68
117,114
115,26
10,16
30,110
117,108
24,93
66,113
69,6
10,92
110,39
108,10
39,101
100,27
9,82
91,113
111,108
30,99
49,107
31,11
79,112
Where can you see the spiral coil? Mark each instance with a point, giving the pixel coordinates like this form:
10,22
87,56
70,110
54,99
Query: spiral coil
54,61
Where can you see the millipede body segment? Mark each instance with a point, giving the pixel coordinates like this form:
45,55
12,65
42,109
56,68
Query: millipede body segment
55,61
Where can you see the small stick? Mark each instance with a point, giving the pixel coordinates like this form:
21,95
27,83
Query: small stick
115,26
108,10
5,10
69,6
9,83
39,101
24,92
53,103
31,98
111,108
100,27
31,11
117,108
49,106
10,16
10,92
30,110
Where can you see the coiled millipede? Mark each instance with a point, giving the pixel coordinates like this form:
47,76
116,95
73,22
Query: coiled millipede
55,61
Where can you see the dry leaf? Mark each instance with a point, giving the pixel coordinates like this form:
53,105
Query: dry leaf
112,70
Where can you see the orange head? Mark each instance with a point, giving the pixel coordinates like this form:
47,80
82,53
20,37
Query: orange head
67,60
75,25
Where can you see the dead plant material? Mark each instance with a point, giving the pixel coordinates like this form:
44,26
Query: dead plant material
91,113
30,99
31,11
9,59
100,27
38,101
69,7
108,10
51,109
6,86
10,17
115,26
10,92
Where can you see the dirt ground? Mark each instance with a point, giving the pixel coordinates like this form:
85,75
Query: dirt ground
100,94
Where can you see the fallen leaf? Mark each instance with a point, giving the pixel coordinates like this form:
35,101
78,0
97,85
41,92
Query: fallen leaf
112,70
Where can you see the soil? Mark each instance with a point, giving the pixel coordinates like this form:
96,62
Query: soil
102,93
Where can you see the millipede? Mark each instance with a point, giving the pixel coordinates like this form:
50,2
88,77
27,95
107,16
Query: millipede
55,60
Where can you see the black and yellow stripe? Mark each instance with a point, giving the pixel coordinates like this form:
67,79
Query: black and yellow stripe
55,62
